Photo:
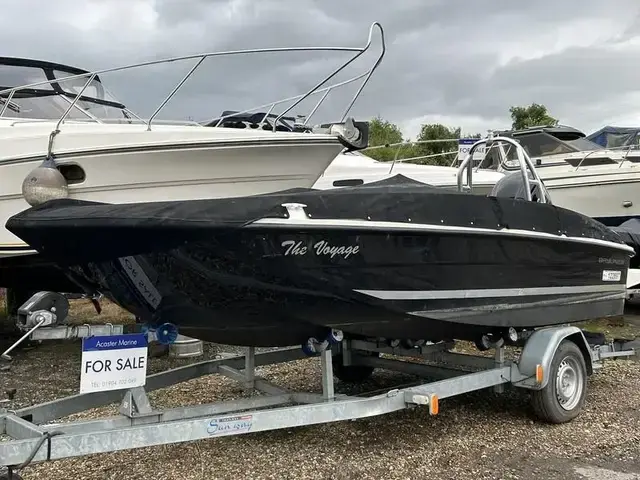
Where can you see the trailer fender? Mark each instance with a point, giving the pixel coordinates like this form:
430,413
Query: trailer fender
540,349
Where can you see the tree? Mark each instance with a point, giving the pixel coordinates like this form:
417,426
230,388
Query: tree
430,151
382,132
530,116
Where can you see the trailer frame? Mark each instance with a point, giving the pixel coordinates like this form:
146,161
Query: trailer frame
36,437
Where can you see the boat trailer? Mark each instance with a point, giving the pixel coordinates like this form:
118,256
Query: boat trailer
554,365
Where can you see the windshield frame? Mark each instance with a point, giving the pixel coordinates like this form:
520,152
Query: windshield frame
54,73
567,147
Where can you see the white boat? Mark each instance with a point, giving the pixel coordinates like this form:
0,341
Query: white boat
105,152
579,174
356,168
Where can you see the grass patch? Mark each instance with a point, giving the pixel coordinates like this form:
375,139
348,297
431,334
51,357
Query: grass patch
82,311
618,327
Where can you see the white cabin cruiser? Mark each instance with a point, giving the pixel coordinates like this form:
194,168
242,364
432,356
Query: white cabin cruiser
62,134
579,174
105,152
356,168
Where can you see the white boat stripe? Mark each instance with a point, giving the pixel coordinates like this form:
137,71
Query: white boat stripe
17,253
330,223
488,292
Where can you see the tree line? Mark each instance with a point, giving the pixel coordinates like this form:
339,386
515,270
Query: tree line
383,132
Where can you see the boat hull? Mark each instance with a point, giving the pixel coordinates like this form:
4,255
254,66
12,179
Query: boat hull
203,166
605,196
255,287
406,286
605,192
406,262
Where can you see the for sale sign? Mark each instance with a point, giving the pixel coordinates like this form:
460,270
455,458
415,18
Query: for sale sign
464,147
113,362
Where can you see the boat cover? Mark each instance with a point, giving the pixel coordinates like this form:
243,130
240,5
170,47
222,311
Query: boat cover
612,137
629,232
76,229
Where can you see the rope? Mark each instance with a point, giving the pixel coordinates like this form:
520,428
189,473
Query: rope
46,437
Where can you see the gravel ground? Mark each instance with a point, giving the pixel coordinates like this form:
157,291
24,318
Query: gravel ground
475,436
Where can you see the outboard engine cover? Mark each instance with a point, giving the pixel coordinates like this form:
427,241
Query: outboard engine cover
512,186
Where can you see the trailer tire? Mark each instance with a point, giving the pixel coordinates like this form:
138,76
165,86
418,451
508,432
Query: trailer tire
562,399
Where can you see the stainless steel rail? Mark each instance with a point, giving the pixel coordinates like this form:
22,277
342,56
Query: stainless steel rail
523,159
8,94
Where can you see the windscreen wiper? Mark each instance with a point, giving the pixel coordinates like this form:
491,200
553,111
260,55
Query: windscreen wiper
14,107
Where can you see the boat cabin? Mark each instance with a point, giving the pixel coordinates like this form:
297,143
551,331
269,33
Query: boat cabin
552,145
262,120
47,95
617,137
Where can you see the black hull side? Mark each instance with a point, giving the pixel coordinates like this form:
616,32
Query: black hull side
269,287
34,273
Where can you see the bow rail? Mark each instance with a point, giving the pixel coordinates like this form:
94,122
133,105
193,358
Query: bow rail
7,95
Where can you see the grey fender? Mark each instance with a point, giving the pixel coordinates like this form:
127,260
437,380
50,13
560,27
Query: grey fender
540,349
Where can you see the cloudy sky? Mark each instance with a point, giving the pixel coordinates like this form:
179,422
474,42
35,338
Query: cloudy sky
458,62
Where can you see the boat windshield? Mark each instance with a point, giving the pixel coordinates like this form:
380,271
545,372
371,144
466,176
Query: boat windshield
50,101
543,144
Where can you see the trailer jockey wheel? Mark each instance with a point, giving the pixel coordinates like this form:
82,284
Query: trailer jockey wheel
562,399
352,373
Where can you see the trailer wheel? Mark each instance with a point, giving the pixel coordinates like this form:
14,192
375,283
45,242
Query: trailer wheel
562,399
351,373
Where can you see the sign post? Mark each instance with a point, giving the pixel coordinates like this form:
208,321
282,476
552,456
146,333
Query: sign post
113,362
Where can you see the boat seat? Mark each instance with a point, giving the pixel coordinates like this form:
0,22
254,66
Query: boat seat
512,186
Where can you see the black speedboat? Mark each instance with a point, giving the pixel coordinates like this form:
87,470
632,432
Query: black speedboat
396,259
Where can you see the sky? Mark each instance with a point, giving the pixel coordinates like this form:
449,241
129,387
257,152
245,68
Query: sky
462,63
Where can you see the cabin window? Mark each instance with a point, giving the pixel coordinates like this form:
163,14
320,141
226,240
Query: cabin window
15,76
73,173
351,182
542,144
589,161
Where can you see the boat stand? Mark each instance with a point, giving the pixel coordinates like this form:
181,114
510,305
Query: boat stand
549,360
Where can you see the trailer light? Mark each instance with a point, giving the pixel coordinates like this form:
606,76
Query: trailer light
433,405
539,374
